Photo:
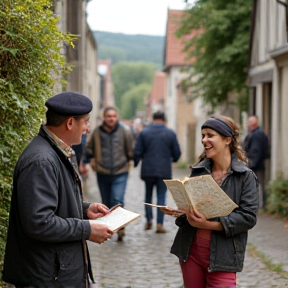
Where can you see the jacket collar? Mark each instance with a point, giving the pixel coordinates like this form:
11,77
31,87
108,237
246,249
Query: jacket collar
157,124
62,146
256,129
112,131
236,165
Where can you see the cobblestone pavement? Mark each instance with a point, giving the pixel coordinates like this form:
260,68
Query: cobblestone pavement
143,259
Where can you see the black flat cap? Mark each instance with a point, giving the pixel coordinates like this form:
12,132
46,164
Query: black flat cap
69,104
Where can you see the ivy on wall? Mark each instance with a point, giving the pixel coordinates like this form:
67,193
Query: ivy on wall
31,63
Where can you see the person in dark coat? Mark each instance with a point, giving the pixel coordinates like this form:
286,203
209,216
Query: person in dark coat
48,222
157,146
256,146
211,251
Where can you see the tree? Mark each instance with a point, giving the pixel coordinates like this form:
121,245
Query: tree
220,49
128,75
134,100
31,61
130,48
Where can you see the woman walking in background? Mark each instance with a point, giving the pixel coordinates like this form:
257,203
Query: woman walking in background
211,251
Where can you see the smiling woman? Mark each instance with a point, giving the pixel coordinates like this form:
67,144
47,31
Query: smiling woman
222,239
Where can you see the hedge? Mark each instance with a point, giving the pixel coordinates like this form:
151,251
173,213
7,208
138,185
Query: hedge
32,62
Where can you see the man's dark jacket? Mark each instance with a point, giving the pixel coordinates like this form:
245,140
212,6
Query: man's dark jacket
227,247
46,235
158,147
256,146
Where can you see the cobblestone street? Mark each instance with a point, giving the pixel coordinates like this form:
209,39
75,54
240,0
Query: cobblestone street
143,259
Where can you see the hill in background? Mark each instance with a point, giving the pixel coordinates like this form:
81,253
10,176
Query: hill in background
131,48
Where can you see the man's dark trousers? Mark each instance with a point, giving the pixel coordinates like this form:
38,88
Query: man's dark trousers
161,190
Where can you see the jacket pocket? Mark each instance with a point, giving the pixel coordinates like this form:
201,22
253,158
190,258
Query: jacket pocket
70,266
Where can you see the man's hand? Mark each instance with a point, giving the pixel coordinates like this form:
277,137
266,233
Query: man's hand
84,170
99,232
97,210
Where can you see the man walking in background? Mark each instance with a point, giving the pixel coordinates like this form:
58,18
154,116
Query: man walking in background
256,146
110,147
157,147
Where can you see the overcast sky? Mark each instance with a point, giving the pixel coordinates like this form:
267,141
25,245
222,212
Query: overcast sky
147,17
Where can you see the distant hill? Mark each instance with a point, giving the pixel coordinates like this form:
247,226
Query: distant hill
122,47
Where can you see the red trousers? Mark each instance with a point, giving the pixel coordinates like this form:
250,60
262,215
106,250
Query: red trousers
195,269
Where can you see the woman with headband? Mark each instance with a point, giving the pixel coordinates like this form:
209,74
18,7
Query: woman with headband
211,251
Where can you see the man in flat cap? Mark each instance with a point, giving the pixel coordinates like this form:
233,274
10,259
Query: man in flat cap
49,223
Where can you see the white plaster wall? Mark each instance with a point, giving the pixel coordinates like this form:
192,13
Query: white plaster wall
262,31
200,112
182,132
92,80
171,98
174,76
261,67
271,13
275,17
61,10
281,26
275,137
259,102
270,30
270,34
84,42
283,157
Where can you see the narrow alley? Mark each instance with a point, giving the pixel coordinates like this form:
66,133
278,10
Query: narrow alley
143,259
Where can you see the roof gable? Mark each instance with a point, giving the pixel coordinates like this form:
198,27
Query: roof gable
174,46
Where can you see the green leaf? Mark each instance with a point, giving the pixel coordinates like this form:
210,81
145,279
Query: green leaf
10,50
30,58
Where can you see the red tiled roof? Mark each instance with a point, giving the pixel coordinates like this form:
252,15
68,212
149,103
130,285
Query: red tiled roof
174,54
106,62
159,87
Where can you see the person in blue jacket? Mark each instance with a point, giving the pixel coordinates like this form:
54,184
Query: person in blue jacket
157,146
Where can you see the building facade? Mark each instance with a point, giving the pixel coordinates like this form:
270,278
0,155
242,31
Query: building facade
268,75
84,77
